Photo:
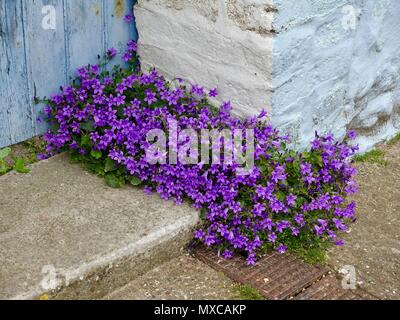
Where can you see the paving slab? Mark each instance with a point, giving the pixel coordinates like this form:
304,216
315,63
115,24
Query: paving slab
64,232
373,245
183,278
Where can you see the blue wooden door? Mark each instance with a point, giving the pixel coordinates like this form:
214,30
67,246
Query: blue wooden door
42,42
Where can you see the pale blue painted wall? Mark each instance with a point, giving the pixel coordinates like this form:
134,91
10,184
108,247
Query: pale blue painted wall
35,61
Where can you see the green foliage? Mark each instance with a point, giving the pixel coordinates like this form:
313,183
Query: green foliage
96,154
16,157
4,153
373,156
14,163
87,126
114,181
115,176
394,140
247,292
307,245
3,165
135,181
109,165
33,147
300,202
312,252
19,166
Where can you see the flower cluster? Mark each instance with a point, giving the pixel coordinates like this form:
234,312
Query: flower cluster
103,119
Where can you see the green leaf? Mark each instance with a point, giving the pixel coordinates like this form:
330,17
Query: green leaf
318,160
135,181
85,141
96,154
95,167
113,181
4,152
109,165
19,166
280,195
90,166
75,157
203,213
306,155
88,126
3,167
120,112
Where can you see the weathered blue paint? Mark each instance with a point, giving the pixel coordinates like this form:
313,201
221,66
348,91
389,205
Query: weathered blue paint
35,62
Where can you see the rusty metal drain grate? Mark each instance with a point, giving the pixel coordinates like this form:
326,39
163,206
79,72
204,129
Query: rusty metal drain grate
279,277
328,288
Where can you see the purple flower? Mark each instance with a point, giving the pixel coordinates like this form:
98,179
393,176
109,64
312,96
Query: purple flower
47,110
199,234
127,57
287,194
295,231
276,206
120,88
41,156
95,69
259,208
111,52
209,240
339,243
226,107
132,46
251,259
150,97
281,249
262,114
81,72
352,134
213,93
272,237
108,81
198,90
227,254
291,200
278,174
128,18
299,218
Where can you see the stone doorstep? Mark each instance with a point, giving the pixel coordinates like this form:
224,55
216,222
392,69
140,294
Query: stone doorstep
63,232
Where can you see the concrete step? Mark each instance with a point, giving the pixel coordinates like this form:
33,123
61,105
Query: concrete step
63,232
182,278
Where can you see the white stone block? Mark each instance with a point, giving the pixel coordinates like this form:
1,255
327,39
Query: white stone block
325,65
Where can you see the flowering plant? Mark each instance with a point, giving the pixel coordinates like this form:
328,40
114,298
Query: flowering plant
287,199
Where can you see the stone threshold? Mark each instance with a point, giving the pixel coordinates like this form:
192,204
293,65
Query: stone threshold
65,234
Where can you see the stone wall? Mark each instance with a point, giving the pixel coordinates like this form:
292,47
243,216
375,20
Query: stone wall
336,67
326,65
217,43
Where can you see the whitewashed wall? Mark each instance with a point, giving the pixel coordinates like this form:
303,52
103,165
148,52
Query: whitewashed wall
336,66
224,44
326,65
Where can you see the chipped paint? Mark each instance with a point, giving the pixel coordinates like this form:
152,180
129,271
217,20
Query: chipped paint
119,8
97,9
